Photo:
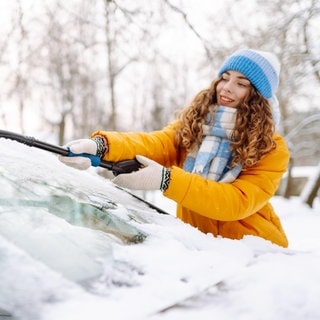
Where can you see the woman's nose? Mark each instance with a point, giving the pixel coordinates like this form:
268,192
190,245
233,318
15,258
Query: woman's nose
227,86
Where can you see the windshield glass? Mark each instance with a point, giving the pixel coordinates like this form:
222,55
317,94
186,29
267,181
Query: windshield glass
53,217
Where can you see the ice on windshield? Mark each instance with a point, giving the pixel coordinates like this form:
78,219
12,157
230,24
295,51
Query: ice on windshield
46,213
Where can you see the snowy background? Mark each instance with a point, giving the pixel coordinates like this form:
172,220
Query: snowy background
176,273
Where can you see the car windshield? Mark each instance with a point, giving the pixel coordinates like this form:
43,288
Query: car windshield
62,219
39,196
31,198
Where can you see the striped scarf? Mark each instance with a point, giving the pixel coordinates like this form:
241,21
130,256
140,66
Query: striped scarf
212,159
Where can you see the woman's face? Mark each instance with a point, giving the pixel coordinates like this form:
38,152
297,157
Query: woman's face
233,89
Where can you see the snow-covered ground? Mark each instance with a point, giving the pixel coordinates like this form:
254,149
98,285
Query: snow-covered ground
176,273
275,283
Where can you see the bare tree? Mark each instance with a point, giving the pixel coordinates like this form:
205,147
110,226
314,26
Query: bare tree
20,90
69,80
4,64
305,148
311,189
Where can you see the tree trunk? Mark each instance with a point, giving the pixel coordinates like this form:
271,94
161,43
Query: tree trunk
311,188
288,186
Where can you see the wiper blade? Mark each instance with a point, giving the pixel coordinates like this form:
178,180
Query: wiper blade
125,166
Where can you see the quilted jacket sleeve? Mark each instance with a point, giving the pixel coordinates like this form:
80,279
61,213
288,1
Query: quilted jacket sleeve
156,145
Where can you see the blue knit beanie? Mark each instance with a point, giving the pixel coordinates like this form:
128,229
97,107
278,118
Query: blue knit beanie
261,68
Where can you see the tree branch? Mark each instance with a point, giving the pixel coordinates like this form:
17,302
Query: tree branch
190,25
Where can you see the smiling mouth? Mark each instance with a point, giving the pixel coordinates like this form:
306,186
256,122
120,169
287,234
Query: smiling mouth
225,99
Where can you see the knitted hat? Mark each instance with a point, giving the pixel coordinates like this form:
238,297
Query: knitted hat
260,67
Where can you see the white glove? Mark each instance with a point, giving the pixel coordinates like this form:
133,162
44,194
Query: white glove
80,146
152,176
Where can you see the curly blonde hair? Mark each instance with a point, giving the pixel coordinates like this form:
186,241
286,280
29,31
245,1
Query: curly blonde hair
253,136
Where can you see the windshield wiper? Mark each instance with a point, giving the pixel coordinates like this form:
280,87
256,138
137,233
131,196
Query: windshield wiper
125,166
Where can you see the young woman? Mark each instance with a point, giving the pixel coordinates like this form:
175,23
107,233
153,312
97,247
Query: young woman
220,161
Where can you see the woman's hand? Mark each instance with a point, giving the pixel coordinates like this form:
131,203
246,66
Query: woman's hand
152,176
88,146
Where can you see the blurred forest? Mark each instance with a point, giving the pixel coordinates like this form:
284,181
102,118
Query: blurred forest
71,67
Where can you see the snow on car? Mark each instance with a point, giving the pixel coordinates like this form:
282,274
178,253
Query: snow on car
74,246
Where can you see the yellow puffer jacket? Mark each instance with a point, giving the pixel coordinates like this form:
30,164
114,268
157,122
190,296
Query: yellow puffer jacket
230,210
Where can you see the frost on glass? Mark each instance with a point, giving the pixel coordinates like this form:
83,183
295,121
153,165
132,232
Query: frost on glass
61,222
74,206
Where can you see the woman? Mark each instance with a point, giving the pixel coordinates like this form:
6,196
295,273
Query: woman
221,160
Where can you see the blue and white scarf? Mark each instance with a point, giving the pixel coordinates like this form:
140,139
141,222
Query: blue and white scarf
212,158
